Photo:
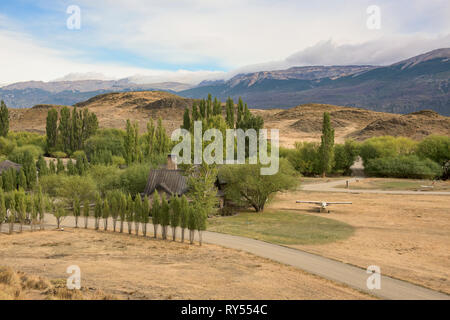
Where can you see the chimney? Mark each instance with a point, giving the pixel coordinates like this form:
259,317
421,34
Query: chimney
171,162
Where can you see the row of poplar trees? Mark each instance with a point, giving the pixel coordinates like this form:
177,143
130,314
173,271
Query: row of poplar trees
175,212
17,206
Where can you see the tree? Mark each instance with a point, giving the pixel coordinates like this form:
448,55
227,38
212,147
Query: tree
2,209
246,186
165,216
41,166
98,210
40,204
327,145
436,148
60,213
76,138
105,214
86,213
12,213
114,204
31,209
130,212
71,168
76,208
174,215
230,112
60,166
52,129
192,226
202,189
123,210
65,130
156,214
20,207
145,215
184,212
22,180
4,119
186,120
345,155
52,167
137,213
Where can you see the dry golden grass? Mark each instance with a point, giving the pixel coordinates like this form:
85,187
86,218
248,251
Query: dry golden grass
408,236
130,267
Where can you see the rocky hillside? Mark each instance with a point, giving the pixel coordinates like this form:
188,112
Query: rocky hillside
299,123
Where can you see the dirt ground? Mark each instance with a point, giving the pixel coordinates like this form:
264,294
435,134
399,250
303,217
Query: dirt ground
130,267
408,236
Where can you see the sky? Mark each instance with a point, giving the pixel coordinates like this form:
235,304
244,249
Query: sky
193,40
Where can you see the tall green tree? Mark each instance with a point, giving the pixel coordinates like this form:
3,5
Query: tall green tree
2,209
145,215
130,212
76,208
123,210
156,213
175,207
105,214
52,129
4,119
230,112
165,216
186,120
184,212
98,211
86,211
137,213
41,166
327,145
65,130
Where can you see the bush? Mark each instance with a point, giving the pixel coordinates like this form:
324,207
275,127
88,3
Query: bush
387,146
106,177
111,140
6,146
18,154
27,138
403,167
58,154
305,158
436,148
69,187
344,156
134,178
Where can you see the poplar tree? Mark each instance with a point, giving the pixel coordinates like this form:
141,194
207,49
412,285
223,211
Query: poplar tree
22,180
174,215
65,129
86,210
71,168
327,145
217,108
60,166
52,167
98,211
39,204
137,213
76,210
151,138
2,209
184,212
145,215
186,120
129,212
41,165
156,214
195,114
52,129
230,113
31,209
59,213
191,224
12,213
165,216
123,210
4,119
114,207
105,214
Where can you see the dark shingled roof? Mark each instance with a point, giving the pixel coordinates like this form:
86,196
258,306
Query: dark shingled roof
5,165
170,181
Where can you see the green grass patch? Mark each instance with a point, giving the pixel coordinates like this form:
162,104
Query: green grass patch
282,227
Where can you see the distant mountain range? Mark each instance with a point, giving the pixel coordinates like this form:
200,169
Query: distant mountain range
418,83
408,86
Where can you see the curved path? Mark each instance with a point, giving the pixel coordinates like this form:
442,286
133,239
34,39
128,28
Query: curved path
352,276
332,186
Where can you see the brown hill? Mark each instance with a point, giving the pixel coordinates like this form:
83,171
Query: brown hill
301,123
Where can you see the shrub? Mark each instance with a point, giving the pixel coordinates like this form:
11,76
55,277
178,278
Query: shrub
105,139
387,146
106,177
6,146
58,154
344,156
403,167
134,178
305,158
436,148
19,154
